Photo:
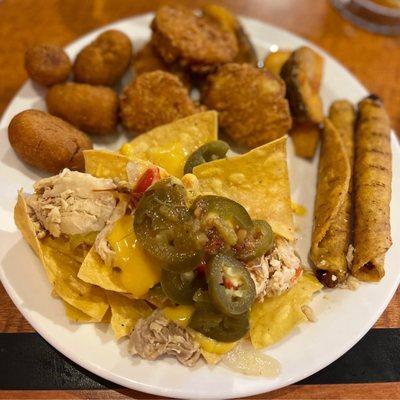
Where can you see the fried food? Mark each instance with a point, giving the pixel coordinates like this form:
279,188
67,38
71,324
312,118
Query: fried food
331,234
197,42
104,61
47,64
305,137
153,99
146,60
251,103
230,23
93,109
275,61
47,142
372,190
302,73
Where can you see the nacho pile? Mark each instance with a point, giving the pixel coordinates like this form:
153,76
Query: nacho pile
110,276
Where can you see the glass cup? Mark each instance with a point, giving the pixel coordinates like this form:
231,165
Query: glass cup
379,16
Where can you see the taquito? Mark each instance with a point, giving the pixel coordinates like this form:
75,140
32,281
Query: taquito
372,190
332,215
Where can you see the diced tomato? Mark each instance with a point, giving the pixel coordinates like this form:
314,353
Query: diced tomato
227,283
201,268
150,176
297,274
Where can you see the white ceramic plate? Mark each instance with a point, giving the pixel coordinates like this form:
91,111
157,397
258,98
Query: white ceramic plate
343,316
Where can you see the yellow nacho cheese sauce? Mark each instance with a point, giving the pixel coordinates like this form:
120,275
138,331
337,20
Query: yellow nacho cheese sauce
137,271
171,157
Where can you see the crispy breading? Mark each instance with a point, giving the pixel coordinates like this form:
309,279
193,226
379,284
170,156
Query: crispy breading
229,22
94,109
180,35
302,73
251,103
47,64
104,61
153,99
146,60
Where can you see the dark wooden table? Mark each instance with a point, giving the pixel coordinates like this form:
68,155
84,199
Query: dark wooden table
29,367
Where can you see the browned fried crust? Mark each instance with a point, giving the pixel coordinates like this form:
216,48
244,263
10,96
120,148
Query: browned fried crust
47,64
104,61
179,35
302,73
94,109
372,190
47,142
146,60
229,22
153,99
251,103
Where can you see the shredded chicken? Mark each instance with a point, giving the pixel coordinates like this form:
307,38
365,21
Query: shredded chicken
156,336
72,203
101,244
277,271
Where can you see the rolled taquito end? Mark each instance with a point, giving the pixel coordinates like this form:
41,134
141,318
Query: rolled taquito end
330,237
372,190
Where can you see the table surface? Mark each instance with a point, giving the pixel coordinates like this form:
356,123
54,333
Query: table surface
374,60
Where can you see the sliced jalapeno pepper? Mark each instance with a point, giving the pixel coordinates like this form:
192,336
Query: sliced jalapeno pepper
210,322
230,285
166,229
180,288
258,241
208,152
222,214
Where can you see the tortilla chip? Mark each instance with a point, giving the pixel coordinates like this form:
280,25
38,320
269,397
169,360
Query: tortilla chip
106,164
61,269
136,277
305,137
25,225
95,271
276,317
211,358
87,298
170,145
77,316
258,180
372,191
125,313
330,238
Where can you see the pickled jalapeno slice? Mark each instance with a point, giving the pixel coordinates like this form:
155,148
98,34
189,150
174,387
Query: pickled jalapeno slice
258,241
223,215
230,285
211,151
165,228
215,325
181,287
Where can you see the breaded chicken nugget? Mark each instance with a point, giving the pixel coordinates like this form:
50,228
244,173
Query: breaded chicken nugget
146,60
251,103
153,99
180,35
229,22
104,61
93,109
47,64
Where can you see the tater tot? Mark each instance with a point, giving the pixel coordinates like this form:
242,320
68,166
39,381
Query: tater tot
93,109
47,64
